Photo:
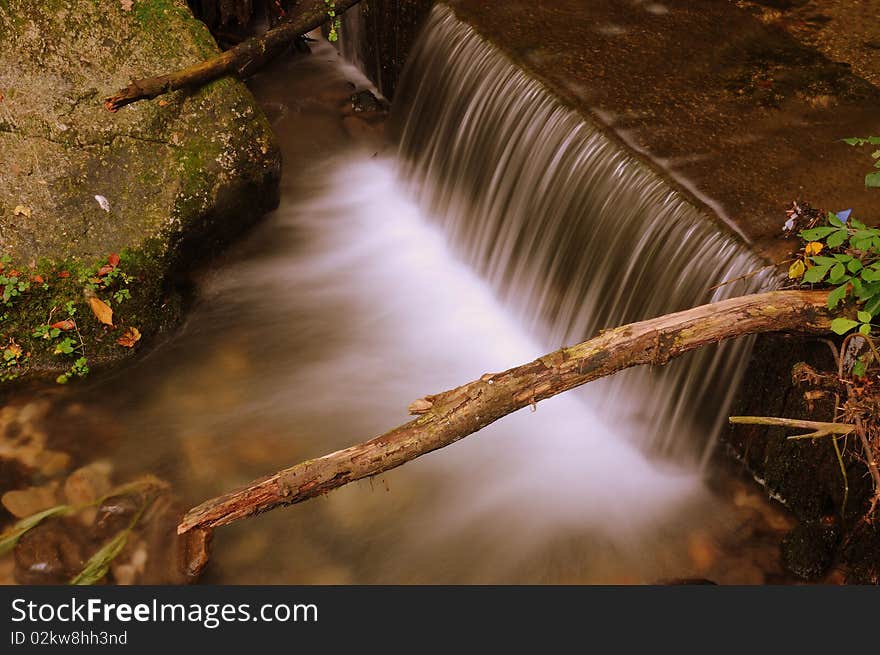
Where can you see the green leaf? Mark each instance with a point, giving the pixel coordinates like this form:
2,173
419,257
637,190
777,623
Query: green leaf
815,274
836,296
860,243
842,325
857,224
817,233
872,180
865,329
864,317
854,266
853,141
836,222
873,305
818,259
868,290
837,273
99,563
11,536
873,140
837,238
859,368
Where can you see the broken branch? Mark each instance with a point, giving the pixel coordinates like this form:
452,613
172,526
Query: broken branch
230,61
819,428
451,415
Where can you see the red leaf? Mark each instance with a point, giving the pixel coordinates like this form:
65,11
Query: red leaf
64,325
63,274
113,260
131,336
38,279
104,270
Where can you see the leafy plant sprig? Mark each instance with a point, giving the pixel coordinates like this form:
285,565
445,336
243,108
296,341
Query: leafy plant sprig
871,179
846,254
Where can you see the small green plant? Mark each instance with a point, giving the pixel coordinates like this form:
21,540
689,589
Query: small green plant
335,22
12,286
872,179
79,369
66,346
846,254
45,332
14,358
842,325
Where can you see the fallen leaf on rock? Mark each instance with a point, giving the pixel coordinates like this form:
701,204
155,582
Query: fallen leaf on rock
105,204
64,274
64,325
104,270
88,483
130,337
113,259
22,210
37,279
101,310
24,502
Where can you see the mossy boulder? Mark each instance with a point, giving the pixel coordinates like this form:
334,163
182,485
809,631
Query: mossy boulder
163,183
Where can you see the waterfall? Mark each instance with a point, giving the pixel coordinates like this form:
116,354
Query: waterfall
574,233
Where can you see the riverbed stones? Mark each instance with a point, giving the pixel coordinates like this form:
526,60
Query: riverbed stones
168,179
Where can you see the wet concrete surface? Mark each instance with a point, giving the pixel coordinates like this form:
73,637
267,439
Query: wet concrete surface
732,109
842,30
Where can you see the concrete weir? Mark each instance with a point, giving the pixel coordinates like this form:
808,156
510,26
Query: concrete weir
738,117
737,114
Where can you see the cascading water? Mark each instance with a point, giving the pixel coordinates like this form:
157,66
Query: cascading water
574,234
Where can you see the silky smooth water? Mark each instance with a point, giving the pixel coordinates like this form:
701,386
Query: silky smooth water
573,233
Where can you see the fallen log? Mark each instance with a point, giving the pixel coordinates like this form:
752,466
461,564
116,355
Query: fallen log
232,60
446,417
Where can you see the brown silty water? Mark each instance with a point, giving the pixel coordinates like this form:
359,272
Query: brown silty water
493,226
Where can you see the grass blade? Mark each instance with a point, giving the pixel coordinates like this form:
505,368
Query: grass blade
9,538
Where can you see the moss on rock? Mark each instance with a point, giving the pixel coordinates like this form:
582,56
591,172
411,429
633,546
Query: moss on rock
164,183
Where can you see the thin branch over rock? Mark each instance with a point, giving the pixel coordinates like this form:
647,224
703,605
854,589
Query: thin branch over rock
230,61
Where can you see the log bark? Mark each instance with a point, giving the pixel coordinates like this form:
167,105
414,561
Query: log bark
230,61
451,415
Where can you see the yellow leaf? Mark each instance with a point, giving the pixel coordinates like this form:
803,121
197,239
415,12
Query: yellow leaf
101,310
796,270
22,210
813,248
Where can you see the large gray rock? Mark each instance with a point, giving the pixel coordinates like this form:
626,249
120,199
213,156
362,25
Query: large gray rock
181,173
